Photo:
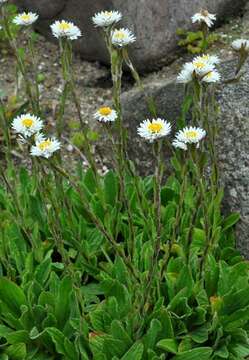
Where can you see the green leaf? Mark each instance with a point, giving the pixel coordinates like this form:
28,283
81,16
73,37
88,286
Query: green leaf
12,296
62,305
230,221
169,345
195,354
17,351
62,344
110,188
135,352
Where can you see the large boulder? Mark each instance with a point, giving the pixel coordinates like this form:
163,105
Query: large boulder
154,22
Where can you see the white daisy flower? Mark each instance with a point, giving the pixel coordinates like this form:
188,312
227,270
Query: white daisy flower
106,114
240,44
106,18
65,29
122,37
154,129
3,1
179,145
27,125
25,19
204,17
45,147
190,135
202,67
211,77
208,59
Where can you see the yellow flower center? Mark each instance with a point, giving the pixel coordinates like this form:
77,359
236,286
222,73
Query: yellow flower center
27,122
204,13
209,75
44,144
155,127
25,17
108,13
105,111
192,134
119,35
64,26
199,64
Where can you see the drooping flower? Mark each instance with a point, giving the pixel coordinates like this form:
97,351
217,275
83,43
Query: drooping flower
204,17
186,74
122,37
190,135
106,18
240,44
179,145
154,129
211,77
65,29
27,125
106,114
25,19
45,147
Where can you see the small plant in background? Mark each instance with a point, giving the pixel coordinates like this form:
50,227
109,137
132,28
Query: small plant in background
120,266
199,41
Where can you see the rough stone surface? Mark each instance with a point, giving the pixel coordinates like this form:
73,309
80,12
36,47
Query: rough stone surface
154,23
232,146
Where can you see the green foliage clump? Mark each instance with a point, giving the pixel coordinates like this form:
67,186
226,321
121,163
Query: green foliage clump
196,42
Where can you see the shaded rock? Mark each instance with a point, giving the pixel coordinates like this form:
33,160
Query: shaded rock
47,9
232,144
154,23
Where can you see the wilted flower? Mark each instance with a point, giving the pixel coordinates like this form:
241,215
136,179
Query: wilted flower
179,145
240,44
106,18
211,77
154,129
65,29
45,147
190,135
27,125
204,17
25,19
122,37
105,114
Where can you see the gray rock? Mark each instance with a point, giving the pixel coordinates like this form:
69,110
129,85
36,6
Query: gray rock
154,23
232,144
47,9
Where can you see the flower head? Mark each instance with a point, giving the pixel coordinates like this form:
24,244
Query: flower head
122,37
25,19
106,114
65,29
240,44
207,59
106,18
45,147
27,125
204,17
211,77
190,135
154,129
